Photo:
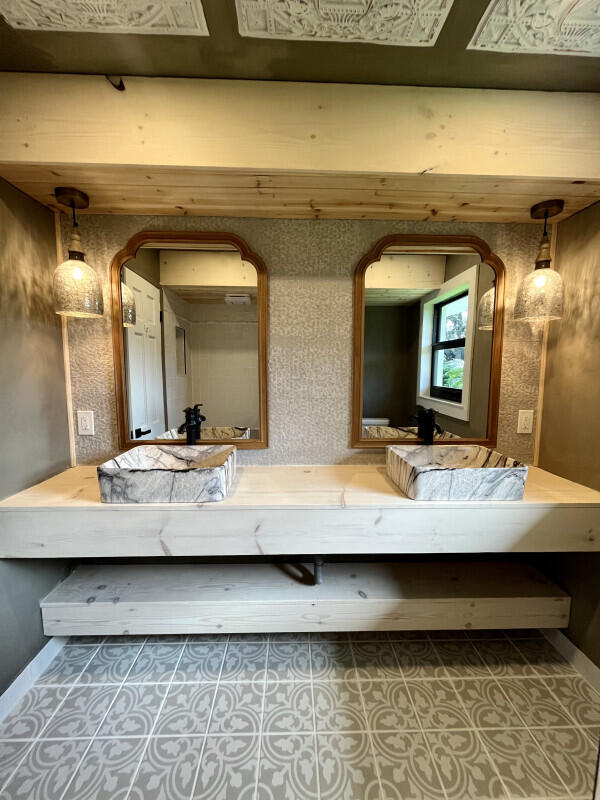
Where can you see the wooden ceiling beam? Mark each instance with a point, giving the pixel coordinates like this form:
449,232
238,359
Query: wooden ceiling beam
184,146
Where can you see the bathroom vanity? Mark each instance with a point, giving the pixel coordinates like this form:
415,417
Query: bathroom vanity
299,512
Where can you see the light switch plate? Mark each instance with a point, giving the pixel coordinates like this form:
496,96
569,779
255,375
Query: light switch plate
85,423
525,422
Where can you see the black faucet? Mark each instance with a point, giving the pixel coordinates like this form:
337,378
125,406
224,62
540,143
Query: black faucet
189,426
199,418
426,424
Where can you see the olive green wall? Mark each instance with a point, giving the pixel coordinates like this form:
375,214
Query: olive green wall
33,411
226,54
570,427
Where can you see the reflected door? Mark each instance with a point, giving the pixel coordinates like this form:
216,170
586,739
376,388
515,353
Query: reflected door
144,361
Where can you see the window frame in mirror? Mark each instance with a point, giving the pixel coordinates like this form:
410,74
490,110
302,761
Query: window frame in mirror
187,238
439,241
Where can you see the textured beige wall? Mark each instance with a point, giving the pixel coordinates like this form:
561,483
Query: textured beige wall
310,265
570,419
33,409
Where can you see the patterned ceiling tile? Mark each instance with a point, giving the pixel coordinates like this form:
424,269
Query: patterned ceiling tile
559,27
184,17
415,23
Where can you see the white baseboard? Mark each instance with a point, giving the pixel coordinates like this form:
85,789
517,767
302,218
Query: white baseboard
23,682
578,660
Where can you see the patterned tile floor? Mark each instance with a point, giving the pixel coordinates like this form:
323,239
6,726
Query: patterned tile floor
368,716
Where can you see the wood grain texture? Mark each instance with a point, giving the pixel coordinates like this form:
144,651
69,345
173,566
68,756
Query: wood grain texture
135,599
296,510
272,149
298,126
410,241
187,238
302,195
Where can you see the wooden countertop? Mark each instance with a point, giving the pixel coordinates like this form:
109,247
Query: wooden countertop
296,510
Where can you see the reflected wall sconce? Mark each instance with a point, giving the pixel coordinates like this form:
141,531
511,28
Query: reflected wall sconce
76,288
540,296
128,306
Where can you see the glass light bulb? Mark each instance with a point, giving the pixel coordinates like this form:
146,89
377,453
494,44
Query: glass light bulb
485,311
128,306
77,291
540,296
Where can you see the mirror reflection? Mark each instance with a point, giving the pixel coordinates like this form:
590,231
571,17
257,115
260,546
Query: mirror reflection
428,330
190,336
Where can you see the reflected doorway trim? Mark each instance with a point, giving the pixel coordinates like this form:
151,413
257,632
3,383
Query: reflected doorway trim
186,238
374,254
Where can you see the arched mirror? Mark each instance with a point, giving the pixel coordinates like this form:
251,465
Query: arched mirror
189,313
428,314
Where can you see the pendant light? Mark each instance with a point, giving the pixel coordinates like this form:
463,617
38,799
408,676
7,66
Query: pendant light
128,306
76,288
540,296
485,310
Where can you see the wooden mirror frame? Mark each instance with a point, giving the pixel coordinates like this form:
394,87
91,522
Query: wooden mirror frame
186,238
374,254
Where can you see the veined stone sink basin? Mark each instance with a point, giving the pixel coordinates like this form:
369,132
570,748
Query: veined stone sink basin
406,432
455,472
211,432
168,474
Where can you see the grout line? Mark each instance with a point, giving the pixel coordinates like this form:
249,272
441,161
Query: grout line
209,721
368,732
314,716
160,707
492,674
69,688
464,677
306,679
480,738
545,759
262,719
326,732
101,723
421,729
428,679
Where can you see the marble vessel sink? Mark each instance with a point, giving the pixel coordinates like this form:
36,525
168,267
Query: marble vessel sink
410,432
211,432
455,472
168,474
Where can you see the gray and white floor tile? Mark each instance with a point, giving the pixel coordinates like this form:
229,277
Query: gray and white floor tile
445,715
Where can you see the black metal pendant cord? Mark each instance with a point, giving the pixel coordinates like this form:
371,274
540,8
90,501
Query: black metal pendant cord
75,223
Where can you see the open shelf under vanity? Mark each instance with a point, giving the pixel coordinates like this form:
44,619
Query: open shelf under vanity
121,599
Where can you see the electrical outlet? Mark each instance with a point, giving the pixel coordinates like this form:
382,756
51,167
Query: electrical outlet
85,423
525,422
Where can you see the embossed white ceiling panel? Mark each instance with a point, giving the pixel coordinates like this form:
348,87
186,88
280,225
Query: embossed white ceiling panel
552,27
414,23
184,17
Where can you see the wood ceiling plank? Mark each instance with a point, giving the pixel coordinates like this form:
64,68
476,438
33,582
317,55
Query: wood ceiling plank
124,176
443,203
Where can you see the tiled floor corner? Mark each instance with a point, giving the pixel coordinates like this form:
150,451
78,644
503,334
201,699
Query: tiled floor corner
483,715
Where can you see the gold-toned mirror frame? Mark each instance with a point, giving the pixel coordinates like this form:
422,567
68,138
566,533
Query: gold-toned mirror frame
374,254
186,238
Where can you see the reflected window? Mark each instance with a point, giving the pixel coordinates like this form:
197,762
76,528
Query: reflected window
448,348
